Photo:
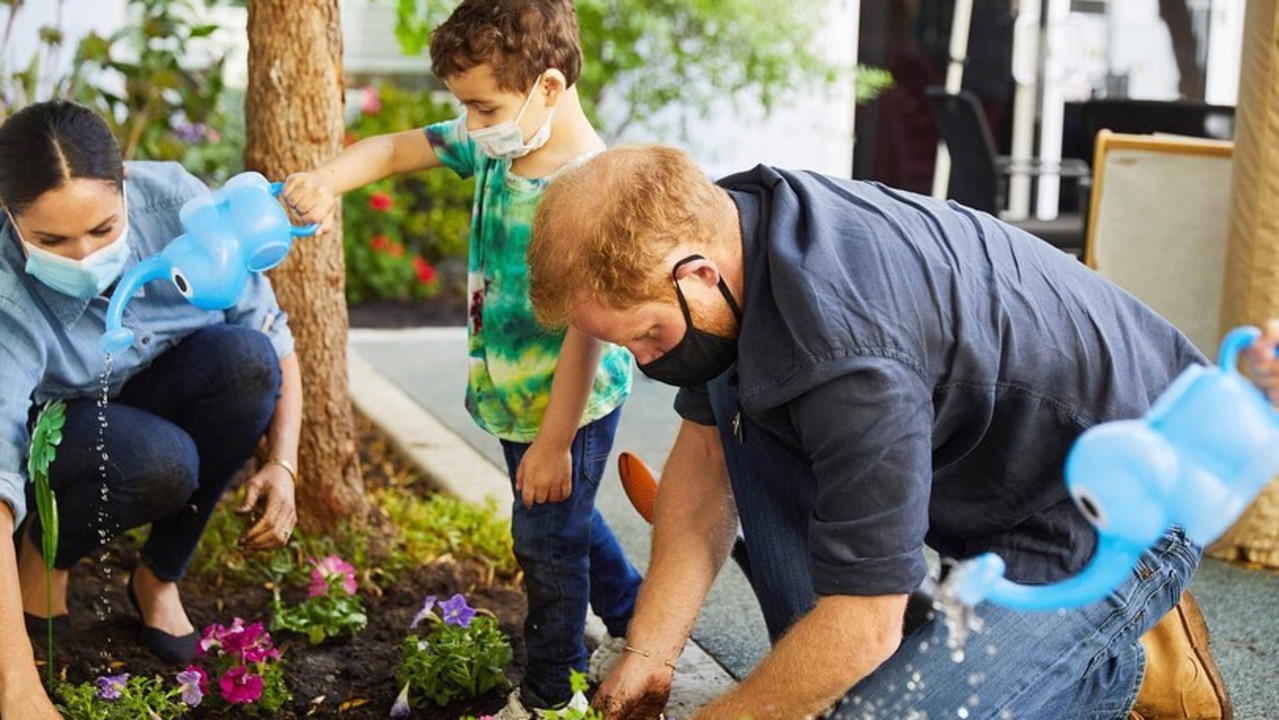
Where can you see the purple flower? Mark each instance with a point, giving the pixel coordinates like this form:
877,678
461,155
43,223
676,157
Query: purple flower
192,684
401,707
110,686
424,613
456,611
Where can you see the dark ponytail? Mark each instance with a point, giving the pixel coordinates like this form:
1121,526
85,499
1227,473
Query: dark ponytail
46,144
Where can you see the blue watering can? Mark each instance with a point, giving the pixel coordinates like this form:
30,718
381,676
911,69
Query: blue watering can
1207,446
230,233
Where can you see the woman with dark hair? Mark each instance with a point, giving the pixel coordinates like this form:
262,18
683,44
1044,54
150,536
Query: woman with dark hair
188,401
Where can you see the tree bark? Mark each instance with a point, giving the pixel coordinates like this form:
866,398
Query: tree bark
293,120
1251,292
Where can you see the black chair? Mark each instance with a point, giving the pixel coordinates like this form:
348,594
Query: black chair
979,175
1139,117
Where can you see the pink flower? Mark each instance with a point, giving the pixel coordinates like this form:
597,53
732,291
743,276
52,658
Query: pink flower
240,687
371,102
331,567
380,201
425,271
379,243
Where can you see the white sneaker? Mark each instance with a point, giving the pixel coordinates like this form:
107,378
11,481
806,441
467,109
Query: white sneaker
515,709
610,650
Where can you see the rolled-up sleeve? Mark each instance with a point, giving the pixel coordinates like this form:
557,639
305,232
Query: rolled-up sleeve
23,359
694,404
259,309
868,433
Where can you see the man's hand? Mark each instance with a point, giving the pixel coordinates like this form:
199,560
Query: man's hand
637,689
1264,364
545,474
272,485
311,198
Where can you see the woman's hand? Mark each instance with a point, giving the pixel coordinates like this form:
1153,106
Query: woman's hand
311,198
30,704
545,474
272,485
1263,363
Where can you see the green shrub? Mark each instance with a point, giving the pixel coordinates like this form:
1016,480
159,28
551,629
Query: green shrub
398,233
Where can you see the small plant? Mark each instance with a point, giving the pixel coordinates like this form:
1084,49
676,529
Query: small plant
44,450
246,666
441,523
332,607
578,707
463,655
122,697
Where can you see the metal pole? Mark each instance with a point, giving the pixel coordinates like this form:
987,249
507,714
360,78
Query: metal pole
1026,78
1052,110
959,27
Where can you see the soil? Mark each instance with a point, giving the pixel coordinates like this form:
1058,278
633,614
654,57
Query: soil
351,678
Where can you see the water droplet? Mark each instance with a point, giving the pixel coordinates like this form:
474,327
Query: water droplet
957,655
963,712
990,650
974,700
1005,714
923,646
976,679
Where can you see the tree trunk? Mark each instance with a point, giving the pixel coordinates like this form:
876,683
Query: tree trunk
1251,291
293,119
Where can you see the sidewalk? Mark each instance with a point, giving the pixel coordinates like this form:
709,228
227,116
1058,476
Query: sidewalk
454,464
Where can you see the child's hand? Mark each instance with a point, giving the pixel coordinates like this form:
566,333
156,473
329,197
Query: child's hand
545,474
308,195
1263,363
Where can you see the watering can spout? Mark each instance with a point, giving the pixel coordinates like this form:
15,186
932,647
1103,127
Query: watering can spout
118,338
982,579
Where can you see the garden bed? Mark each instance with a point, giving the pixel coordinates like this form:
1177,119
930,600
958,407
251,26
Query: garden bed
345,677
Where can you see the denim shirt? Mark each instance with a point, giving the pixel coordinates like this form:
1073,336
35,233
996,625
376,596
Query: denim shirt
49,342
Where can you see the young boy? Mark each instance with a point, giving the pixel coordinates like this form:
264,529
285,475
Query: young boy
552,399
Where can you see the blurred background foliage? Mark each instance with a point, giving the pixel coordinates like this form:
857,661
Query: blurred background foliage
159,82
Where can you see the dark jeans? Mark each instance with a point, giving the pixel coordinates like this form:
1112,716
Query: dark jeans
569,557
174,438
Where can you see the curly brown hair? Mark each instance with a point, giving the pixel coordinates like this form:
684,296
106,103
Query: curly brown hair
602,230
518,39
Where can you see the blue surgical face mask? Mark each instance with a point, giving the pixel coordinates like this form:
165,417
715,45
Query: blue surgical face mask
84,278
505,140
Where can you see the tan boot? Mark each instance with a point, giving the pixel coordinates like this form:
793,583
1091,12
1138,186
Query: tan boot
1181,680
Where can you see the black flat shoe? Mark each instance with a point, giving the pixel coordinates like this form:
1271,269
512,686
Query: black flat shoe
175,649
38,627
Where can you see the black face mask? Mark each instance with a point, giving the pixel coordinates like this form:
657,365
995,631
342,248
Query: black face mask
700,356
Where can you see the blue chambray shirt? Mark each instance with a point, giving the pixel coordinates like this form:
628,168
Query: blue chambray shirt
49,341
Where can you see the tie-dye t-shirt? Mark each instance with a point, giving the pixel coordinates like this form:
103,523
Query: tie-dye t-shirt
511,358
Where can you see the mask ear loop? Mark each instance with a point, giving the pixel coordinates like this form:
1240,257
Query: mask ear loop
723,290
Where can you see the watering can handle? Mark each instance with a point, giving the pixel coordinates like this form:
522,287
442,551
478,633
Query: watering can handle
298,230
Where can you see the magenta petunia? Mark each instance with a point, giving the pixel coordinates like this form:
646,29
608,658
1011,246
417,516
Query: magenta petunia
240,687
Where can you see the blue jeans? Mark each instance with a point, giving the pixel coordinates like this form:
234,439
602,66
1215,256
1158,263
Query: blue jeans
175,436
569,557
1082,664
